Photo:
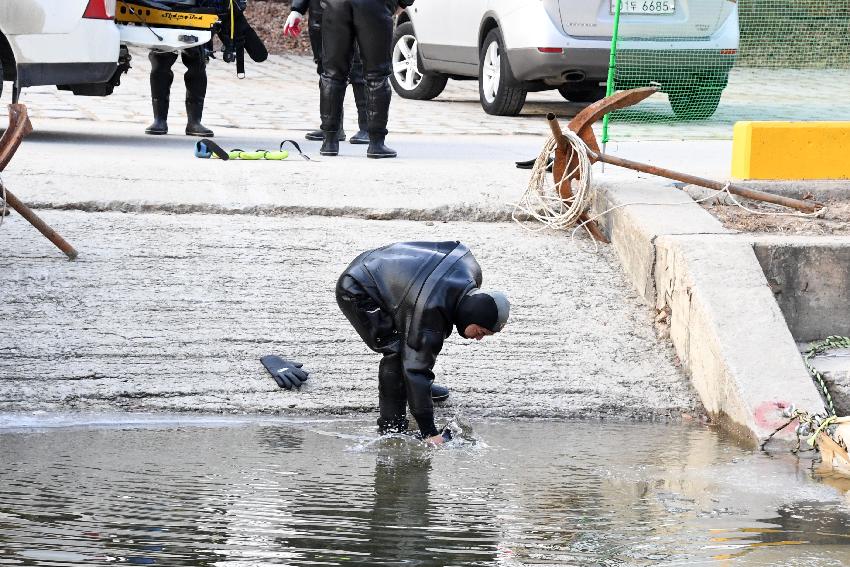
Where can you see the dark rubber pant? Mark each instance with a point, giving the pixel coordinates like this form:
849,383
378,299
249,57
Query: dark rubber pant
369,23
315,28
377,329
195,77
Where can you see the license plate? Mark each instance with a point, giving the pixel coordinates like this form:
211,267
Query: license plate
650,7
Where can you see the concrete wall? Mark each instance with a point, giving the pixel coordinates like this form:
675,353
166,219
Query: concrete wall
707,284
810,278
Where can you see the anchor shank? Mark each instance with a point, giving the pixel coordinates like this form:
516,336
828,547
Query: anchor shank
805,206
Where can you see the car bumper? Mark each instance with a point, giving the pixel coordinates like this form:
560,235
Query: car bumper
35,74
529,64
163,39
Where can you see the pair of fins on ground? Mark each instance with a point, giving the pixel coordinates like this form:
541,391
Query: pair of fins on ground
290,374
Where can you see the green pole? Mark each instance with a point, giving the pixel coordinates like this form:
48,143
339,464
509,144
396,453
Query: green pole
612,67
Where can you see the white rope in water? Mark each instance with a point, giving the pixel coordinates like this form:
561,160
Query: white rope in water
542,200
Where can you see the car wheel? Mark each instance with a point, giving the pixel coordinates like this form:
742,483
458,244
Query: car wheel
407,79
694,103
582,93
498,96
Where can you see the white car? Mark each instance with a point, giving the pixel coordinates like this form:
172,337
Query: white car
75,44
516,46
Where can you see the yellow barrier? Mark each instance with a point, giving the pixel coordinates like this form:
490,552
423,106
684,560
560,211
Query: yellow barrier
129,13
791,150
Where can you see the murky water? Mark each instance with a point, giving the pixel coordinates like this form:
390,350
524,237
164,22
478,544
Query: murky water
326,493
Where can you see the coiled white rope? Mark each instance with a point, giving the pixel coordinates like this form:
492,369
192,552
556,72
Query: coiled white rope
542,200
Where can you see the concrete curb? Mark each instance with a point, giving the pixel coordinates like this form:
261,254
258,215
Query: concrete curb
709,288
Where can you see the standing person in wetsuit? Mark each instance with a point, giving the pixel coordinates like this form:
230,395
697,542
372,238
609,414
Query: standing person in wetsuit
356,79
403,300
369,23
195,78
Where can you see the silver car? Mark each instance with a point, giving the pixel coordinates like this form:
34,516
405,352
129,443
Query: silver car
517,46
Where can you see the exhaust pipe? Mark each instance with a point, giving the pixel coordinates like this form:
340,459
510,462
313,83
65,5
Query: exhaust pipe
574,76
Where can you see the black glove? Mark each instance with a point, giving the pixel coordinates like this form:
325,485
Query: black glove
286,373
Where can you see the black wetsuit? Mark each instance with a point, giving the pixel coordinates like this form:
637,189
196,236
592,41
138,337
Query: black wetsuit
314,26
369,23
195,77
402,301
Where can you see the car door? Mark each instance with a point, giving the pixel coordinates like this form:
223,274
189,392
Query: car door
447,30
465,24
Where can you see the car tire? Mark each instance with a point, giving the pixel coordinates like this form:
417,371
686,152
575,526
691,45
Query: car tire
495,89
694,103
406,78
583,93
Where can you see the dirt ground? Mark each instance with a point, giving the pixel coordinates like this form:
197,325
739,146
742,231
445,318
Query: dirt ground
834,221
267,18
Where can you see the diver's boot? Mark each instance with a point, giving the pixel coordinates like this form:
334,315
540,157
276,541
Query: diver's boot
159,126
318,135
330,145
378,93
377,148
362,135
439,393
194,112
332,94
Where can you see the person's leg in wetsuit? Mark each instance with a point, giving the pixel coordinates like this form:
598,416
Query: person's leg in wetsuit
358,85
370,24
196,90
161,78
195,79
377,330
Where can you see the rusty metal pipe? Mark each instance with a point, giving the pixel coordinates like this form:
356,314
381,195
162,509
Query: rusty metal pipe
555,126
42,226
804,206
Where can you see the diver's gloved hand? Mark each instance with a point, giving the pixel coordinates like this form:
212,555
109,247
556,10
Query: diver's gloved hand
286,373
292,27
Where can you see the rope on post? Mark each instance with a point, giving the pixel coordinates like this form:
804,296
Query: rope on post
542,200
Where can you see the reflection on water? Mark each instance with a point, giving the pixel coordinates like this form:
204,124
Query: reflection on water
326,493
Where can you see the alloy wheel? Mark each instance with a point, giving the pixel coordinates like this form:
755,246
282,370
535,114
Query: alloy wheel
492,72
406,62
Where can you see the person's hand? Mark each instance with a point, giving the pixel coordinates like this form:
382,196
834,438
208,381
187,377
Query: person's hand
399,10
436,440
292,27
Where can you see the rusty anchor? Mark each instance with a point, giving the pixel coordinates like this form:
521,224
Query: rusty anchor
19,127
581,124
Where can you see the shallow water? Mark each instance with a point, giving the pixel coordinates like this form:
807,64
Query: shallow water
325,492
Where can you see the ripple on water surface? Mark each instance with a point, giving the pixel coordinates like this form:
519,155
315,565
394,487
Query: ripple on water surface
327,493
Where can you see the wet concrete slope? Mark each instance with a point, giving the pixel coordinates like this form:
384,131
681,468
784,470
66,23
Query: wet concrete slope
172,312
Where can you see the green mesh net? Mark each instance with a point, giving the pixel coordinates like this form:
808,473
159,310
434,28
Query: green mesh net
790,62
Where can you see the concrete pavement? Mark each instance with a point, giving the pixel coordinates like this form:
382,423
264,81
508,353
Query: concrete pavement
170,311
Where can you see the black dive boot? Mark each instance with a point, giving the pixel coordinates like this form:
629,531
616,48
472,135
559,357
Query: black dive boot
159,126
194,112
379,93
378,149
362,136
319,136
332,94
330,144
